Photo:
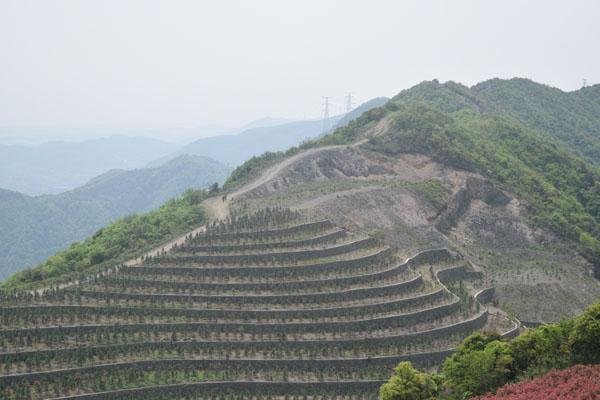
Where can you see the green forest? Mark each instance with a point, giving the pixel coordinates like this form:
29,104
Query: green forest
483,362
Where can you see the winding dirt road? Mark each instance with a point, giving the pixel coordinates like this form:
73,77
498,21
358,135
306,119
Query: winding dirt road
216,208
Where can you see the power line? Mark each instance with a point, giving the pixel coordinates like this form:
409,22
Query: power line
349,102
326,120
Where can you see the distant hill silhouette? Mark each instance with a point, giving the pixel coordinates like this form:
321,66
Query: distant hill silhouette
33,228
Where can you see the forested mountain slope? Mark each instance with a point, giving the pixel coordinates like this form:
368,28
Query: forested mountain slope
570,118
33,228
529,239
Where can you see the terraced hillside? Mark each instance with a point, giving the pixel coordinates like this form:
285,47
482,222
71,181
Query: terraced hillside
263,305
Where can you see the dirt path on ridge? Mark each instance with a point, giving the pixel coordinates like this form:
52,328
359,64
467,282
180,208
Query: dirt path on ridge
216,207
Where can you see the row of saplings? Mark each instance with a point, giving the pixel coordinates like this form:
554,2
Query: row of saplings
46,386
242,221
483,362
180,348
121,315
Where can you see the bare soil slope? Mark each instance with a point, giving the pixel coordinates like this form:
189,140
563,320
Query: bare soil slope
417,204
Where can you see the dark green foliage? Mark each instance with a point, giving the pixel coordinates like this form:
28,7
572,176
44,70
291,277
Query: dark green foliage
585,337
408,384
116,242
485,362
570,118
481,363
539,350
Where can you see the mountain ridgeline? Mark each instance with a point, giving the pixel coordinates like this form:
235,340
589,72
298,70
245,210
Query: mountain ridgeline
56,167
530,139
381,242
33,228
235,149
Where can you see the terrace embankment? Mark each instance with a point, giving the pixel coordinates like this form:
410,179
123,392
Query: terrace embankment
271,304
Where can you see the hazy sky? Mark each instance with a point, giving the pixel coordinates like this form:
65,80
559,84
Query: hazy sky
161,64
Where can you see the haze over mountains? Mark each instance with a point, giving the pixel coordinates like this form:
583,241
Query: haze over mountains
255,140
33,228
485,204
54,167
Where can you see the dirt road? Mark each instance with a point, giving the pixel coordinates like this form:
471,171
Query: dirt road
217,208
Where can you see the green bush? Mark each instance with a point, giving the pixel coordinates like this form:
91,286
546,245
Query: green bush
484,362
481,363
408,384
539,350
585,337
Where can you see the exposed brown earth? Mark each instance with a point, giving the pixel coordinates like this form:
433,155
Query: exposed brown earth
537,277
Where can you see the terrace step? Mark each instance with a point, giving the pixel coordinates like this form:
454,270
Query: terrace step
305,308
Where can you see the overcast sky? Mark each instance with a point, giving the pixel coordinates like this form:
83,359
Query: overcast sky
145,64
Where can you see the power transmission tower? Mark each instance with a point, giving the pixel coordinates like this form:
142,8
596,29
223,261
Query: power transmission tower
349,102
326,121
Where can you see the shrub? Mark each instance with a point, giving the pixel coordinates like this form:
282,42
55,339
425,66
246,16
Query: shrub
581,382
408,384
585,337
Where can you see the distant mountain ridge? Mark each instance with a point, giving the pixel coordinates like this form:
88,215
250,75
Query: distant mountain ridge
33,228
237,148
54,167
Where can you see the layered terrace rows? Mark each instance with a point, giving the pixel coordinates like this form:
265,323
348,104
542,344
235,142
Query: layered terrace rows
260,305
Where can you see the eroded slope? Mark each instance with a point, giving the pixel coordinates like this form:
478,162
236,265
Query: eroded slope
420,204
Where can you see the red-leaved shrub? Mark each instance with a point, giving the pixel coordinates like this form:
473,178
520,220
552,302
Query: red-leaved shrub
580,382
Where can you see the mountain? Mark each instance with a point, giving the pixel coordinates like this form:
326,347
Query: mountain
33,228
54,167
570,118
401,236
265,122
235,149
436,167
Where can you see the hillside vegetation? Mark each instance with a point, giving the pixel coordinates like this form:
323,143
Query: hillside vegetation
115,243
484,362
33,228
523,154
